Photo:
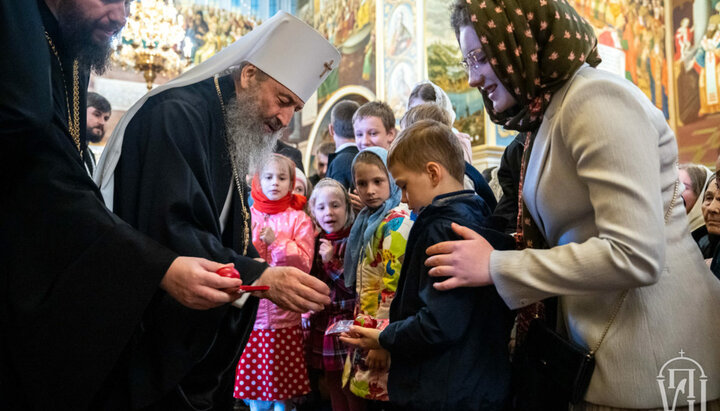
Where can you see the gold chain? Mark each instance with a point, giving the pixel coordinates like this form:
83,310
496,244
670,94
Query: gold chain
74,118
236,178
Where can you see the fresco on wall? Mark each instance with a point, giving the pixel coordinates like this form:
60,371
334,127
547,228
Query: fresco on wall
401,58
350,26
445,70
637,28
696,72
210,29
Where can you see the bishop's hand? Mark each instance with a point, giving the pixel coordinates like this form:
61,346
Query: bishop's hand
293,289
193,283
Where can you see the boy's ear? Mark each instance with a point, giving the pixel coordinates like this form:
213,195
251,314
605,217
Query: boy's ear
435,172
331,130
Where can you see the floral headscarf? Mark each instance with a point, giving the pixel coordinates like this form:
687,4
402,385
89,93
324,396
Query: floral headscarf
534,47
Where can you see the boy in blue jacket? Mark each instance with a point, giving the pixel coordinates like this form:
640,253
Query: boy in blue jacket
449,349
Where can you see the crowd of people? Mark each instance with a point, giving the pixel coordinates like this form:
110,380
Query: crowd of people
394,279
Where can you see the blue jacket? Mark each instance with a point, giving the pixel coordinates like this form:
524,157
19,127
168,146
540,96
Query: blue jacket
482,188
449,349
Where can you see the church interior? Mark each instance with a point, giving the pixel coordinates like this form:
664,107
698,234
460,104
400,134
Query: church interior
669,49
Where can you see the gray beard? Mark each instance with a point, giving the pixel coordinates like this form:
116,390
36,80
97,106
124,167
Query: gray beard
249,144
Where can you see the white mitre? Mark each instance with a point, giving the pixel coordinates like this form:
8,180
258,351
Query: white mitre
284,47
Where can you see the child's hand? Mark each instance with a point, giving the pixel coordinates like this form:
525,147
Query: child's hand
267,235
326,250
362,337
378,359
357,204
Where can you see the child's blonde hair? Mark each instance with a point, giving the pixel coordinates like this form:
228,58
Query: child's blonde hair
330,184
285,161
425,111
425,141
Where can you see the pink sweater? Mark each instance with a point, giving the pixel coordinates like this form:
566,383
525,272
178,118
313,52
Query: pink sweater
294,246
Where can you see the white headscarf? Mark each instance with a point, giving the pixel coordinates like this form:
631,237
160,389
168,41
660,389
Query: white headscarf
300,66
441,99
695,217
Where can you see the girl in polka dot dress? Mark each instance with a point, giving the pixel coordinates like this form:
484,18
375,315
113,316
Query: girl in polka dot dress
272,369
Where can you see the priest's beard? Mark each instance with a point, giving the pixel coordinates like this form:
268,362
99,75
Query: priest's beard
250,145
77,33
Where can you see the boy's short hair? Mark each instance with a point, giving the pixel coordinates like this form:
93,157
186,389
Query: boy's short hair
377,109
341,117
326,148
425,141
425,111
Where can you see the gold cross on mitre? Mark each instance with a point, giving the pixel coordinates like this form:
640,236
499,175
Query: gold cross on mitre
327,67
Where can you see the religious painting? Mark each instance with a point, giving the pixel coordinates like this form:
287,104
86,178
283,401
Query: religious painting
633,31
401,54
209,29
696,73
445,70
350,26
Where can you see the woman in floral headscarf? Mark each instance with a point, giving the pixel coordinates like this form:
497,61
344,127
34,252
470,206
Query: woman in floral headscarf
600,223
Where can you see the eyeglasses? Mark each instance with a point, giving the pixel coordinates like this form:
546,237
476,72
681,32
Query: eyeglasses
473,60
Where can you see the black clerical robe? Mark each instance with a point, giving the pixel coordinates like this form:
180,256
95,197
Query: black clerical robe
74,279
171,183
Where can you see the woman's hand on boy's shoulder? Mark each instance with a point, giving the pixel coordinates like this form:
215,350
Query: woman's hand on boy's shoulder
466,261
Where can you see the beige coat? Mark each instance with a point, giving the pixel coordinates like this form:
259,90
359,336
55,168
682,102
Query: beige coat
599,180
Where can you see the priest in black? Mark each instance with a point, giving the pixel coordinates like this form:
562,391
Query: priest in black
75,279
180,179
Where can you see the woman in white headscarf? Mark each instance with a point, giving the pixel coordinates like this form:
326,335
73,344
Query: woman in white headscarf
695,178
429,92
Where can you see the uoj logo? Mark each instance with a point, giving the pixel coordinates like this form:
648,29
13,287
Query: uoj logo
683,379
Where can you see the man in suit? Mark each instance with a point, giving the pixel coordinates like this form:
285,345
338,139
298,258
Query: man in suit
341,130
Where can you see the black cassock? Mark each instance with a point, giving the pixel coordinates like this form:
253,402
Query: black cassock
75,280
171,183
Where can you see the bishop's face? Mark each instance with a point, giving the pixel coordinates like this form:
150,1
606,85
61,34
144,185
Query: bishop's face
276,102
88,27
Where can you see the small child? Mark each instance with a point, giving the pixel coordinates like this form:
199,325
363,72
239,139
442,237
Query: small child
373,259
331,210
449,348
272,367
374,125
302,186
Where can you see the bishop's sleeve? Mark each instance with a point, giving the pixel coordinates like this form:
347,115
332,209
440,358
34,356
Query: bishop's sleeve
164,182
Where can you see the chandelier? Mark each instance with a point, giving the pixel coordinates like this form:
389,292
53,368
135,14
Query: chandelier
151,40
